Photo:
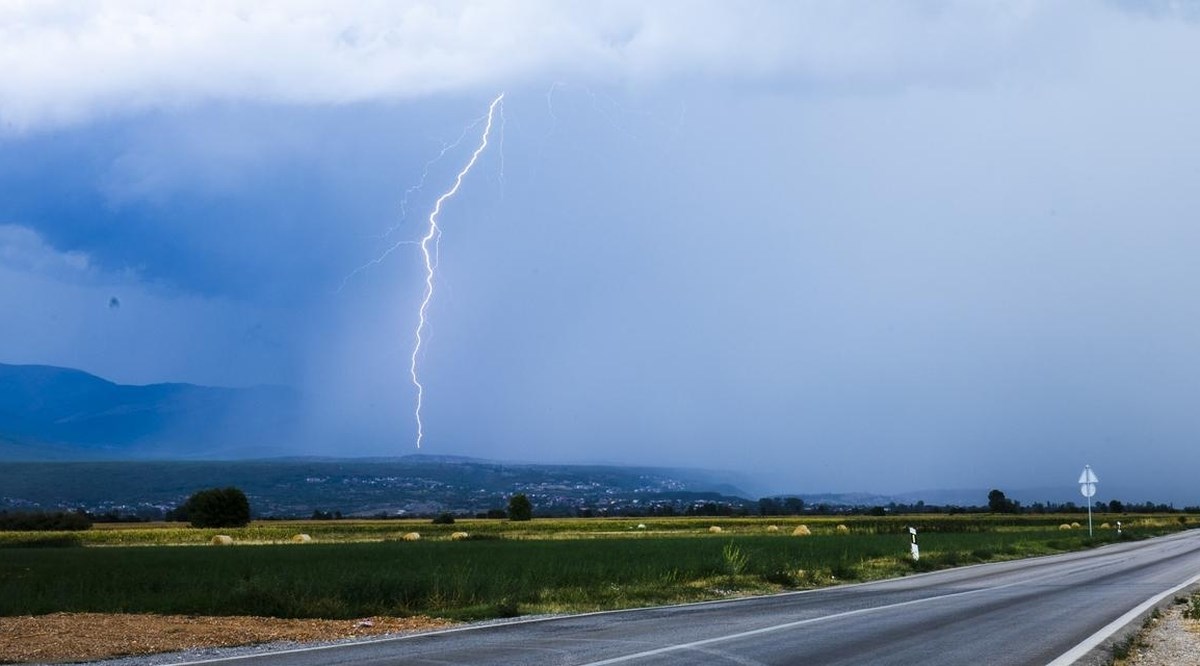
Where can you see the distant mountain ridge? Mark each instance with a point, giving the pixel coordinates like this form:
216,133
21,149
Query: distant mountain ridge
53,413
50,413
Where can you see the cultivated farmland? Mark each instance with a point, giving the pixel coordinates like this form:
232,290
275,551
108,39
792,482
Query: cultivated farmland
360,568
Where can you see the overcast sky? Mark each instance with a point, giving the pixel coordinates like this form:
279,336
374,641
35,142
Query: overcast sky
835,246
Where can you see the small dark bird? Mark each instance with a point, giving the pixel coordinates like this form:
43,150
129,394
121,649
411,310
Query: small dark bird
114,303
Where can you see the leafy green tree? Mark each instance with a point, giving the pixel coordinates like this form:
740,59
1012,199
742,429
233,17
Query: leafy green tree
217,507
793,506
519,507
998,503
768,506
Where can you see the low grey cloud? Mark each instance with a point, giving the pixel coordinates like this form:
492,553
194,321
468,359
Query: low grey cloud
64,63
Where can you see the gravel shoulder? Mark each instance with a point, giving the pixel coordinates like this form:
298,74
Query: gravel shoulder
75,637
1172,640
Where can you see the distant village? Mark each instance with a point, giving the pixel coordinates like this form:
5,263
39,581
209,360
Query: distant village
333,496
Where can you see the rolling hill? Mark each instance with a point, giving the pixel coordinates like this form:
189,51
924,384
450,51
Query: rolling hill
52,413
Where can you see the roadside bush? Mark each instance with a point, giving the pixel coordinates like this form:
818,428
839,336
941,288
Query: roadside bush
505,608
217,507
983,554
734,559
843,570
781,577
1192,612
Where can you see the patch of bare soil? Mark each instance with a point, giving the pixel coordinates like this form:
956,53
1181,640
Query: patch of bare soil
89,636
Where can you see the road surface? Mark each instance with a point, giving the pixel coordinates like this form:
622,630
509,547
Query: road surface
1037,611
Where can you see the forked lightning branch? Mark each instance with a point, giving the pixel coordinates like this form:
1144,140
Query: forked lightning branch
429,251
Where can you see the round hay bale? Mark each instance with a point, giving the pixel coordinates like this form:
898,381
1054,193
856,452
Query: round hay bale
1074,526
772,528
1105,526
412,536
842,529
221,540
715,529
641,526
302,538
802,530
459,536
1064,526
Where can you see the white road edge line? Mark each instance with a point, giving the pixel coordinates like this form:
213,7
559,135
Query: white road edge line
640,654
615,611
1091,642
714,602
800,623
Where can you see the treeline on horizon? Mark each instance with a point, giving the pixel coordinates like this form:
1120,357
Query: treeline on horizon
795,506
44,521
36,520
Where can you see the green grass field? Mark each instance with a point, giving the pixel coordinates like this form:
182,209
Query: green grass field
356,569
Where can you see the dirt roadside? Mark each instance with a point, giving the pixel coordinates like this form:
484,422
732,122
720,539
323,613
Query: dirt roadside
66,637
1171,640
73,637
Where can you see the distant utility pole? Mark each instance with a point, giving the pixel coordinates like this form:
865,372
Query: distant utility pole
1087,486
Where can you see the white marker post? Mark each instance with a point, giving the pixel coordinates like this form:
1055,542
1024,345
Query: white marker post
916,552
1087,486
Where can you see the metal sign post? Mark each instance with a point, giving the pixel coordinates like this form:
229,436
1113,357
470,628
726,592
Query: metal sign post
1087,487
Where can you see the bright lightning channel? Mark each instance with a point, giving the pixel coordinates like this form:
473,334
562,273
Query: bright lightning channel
433,236
446,147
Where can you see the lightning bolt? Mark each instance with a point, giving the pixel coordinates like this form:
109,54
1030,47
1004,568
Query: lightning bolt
432,237
446,147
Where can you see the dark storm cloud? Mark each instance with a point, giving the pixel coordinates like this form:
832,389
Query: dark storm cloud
900,246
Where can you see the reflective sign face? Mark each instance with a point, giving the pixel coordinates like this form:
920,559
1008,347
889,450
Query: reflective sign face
1088,489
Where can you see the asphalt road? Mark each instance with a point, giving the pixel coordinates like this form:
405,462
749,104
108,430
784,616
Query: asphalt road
1038,611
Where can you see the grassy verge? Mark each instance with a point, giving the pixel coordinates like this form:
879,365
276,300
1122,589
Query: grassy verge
487,577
